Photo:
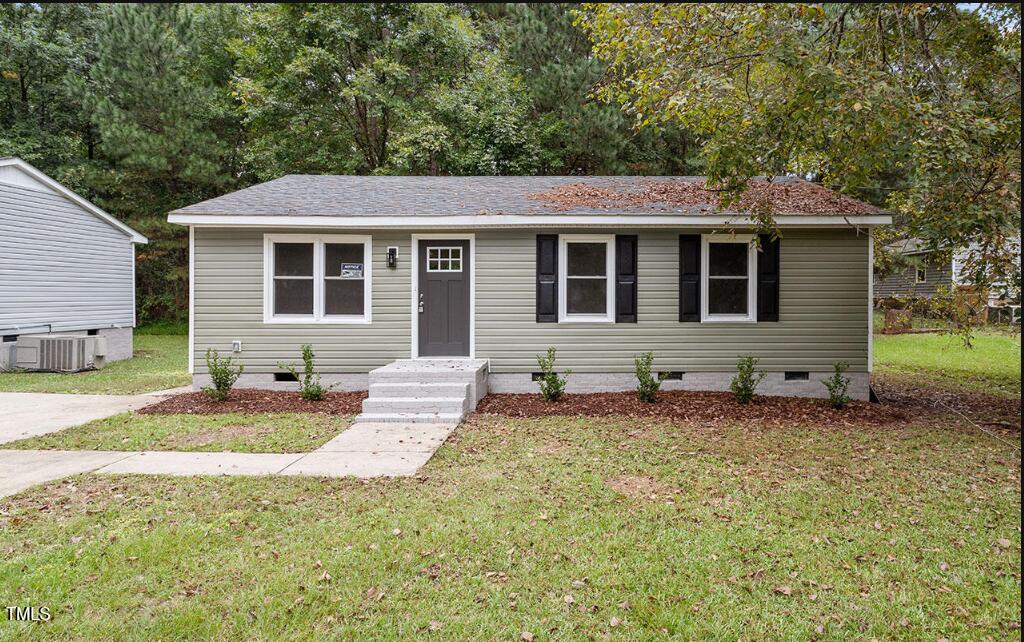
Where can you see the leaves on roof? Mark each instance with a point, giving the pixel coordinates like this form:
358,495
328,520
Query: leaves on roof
784,197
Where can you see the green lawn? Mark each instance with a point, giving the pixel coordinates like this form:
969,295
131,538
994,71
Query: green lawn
160,362
265,433
566,528
992,365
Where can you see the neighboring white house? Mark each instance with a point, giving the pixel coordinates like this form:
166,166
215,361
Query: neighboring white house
66,266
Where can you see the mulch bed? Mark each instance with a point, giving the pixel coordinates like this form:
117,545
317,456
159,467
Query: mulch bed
901,401
252,401
697,407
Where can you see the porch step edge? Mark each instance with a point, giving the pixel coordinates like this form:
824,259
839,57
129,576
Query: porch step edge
412,417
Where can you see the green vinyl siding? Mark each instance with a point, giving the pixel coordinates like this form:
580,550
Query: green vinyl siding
823,312
823,309
228,304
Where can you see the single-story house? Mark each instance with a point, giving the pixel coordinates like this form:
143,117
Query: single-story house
376,269
67,268
926,274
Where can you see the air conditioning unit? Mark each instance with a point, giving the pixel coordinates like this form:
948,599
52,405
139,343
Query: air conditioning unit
49,353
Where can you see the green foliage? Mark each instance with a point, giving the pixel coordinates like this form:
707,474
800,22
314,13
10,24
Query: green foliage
911,106
837,386
222,374
747,379
961,310
551,385
310,387
647,383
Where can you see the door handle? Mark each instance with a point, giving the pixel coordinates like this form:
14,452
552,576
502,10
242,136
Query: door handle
421,303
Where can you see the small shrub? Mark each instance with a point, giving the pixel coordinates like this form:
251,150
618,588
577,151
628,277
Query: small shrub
310,387
551,385
647,385
747,379
837,386
222,375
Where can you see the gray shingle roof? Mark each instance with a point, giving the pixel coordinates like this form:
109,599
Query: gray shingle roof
310,195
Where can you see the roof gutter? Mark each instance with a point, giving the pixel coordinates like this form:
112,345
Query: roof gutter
521,220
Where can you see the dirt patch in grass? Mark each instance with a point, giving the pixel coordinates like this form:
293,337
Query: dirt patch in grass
640,487
697,407
251,401
917,399
207,437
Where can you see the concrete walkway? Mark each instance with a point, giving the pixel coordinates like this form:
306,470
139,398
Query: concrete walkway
363,450
27,414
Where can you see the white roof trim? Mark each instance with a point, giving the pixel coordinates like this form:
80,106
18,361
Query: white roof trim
71,196
520,220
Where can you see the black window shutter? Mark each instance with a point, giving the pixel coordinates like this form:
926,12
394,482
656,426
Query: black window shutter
547,278
768,279
689,277
625,278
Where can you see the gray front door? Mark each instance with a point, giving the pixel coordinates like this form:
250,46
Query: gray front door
444,298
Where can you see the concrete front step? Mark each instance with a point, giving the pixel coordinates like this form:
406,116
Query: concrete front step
412,417
450,405
423,390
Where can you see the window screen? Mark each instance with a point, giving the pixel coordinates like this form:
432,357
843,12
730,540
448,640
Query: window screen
344,279
728,278
293,278
586,289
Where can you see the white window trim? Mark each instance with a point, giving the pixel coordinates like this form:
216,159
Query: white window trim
920,275
705,260
318,317
563,275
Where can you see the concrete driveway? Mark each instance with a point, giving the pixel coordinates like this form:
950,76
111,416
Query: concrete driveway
27,414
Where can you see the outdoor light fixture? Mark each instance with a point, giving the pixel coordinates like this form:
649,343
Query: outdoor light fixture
392,257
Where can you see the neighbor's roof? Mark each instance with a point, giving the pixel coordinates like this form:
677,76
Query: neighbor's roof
36,179
491,197
909,245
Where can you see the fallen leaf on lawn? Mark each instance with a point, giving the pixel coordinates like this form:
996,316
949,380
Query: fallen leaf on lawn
615,622
526,636
435,625
782,589
569,599
1002,542
326,577
317,564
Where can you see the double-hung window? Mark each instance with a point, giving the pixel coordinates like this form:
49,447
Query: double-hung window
586,287
316,279
729,278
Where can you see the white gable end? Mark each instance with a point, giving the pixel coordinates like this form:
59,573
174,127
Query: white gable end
15,175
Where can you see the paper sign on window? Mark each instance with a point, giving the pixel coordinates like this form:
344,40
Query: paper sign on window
351,270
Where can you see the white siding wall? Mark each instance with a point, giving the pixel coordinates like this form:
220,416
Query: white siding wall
60,266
